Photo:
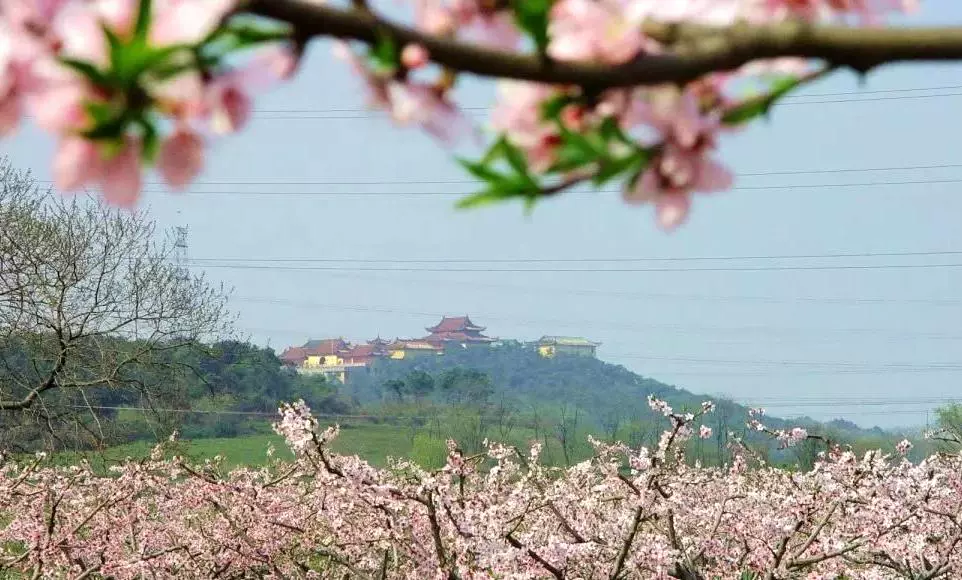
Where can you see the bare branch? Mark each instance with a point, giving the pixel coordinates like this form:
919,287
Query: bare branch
697,50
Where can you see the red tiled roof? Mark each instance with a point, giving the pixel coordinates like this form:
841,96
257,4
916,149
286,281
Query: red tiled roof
293,354
327,346
362,350
454,324
438,337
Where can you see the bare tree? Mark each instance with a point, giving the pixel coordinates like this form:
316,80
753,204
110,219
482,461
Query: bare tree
612,424
91,303
507,419
567,430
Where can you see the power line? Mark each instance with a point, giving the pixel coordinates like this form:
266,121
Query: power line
585,260
791,186
949,366
793,97
648,295
273,181
324,114
274,267
585,325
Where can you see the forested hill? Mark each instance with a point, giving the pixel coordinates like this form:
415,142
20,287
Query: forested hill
603,393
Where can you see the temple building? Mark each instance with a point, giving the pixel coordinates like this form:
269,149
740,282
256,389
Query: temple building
336,358
405,348
552,346
457,331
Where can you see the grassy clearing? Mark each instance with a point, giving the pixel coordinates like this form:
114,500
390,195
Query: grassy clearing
372,442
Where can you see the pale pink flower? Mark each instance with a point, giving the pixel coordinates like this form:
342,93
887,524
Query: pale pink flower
59,107
682,165
903,447
375,88
76,163
587,30
121,179
181,158
183,96
78,29
517,115
868,11
186,21
119,15
423,105
497,30
228,104
414,56
671,209
10,108
435,17
704,432
10,113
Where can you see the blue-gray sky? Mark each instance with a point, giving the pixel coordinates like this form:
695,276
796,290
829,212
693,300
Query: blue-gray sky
748,335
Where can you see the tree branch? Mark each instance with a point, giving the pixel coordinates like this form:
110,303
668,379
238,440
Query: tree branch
697,50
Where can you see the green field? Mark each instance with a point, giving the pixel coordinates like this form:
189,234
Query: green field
372,442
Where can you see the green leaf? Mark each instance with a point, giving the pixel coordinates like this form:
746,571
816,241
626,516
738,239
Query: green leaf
151,140
158,57
487,197
111,129
758,106
93,74
142,28
384,54
610,131
494,152
532,17
516,159
613,168
575,151
100,112
551,109
484,173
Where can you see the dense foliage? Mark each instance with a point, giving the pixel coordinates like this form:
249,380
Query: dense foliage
225,389
583,395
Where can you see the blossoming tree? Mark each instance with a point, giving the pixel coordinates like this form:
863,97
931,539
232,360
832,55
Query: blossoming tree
627,514
628,91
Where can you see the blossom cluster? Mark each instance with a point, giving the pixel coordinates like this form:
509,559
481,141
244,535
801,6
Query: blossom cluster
123,83
128,83
633,513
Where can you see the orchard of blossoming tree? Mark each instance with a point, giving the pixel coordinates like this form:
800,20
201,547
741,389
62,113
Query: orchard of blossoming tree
627,513
636,92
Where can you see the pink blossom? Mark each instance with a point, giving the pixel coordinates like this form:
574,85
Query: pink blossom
58,107
119,15
682,164
584,30
181,158
76,163
228,104
903,447
704,432
9,113
517,115
78,30
186,21
423,105
121,179
414,56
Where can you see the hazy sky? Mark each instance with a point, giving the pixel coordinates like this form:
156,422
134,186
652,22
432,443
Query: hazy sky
866,344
